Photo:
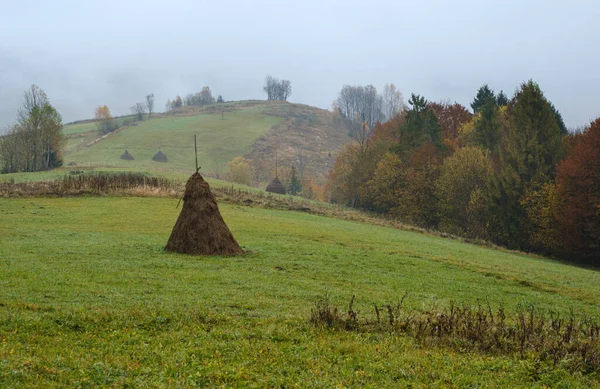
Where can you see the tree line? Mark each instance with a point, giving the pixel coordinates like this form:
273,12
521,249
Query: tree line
204,97
35,142
509,172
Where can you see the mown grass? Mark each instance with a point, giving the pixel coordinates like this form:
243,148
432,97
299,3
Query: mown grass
77,128
81,127
88,298
219,141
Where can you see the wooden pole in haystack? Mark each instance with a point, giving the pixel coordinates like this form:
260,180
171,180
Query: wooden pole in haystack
196,152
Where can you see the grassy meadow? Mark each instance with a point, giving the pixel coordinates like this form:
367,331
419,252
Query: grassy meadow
88,298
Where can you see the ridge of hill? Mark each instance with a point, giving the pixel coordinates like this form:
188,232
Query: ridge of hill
300,134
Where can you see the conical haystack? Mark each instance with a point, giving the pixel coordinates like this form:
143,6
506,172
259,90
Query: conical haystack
276,186
200,228
127,156
160,157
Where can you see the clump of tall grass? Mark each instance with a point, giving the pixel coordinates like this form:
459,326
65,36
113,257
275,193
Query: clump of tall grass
527,332
93,184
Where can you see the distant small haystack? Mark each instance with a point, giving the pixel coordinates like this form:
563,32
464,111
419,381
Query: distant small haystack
200,228
127,156
160,157
276,186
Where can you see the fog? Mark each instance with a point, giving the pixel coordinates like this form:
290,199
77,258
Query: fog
88,53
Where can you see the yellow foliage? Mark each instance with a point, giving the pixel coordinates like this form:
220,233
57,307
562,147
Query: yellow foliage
467,130
541,206
102,113
240,170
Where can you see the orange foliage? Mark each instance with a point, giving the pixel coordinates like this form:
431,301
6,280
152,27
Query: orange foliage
311,190
102,113
388,132
578,191
450,117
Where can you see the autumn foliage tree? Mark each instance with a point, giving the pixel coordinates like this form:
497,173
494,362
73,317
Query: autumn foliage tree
104,120
240,170
403,183
450,118
462,186
578,195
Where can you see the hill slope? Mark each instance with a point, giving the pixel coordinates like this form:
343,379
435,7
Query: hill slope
253,128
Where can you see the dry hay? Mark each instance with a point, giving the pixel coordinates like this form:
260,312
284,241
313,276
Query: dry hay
276,186
200,228
126,156
160,157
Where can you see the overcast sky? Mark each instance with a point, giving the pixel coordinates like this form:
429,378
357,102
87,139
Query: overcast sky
87,53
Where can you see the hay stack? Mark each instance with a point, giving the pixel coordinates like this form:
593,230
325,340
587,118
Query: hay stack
200,228
276,186
160,157
127,156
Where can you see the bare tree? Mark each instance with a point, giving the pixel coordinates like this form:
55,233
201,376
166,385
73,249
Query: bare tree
269,87
360,108
277,89
139,109
150,104
284,89
392,101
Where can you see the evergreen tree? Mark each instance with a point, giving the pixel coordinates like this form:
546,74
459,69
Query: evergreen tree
487,128
529,150
559,120
220,99
295,185
484,95
421,125
501,99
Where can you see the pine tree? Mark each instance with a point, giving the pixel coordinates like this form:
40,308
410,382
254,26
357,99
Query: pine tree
295,185
484,95
487,128
421,125
559,120
528,152
502,99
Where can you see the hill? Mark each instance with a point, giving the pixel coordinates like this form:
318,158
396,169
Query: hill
89,298
255,129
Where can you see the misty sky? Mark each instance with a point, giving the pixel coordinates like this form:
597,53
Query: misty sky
87,53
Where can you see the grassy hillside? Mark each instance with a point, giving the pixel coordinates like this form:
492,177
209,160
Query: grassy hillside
256,129
219,141
307,137
88,298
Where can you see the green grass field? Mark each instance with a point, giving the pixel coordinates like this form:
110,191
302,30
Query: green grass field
219,141
88,298
76,128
